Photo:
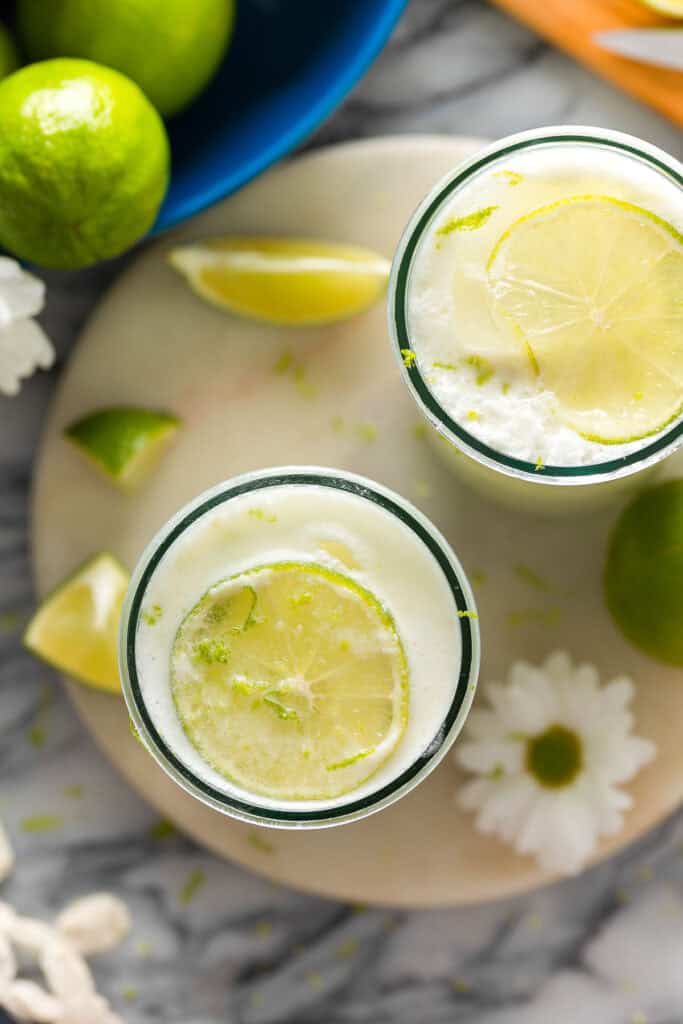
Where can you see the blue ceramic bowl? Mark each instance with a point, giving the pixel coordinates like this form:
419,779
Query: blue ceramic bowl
289,64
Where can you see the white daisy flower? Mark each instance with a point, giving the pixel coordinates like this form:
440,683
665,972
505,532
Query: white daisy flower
24,346
550,754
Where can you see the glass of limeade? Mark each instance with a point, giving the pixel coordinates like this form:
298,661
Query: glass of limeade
536,308
299,647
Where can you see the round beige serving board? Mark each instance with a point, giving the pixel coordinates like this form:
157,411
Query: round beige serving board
340,403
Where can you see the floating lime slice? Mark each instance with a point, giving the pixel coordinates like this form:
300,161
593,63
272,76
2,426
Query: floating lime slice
124,443
592,285
284,280
644,572
75,629
291,680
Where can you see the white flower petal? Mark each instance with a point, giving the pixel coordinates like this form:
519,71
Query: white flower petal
8,961
94,924
29,936
24,346
66,972
6,855
560,826
21,295
26,1001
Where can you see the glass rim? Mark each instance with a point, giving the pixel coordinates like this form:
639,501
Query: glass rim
647,455
243,808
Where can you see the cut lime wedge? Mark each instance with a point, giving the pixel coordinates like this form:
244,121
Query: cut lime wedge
284,280
593,285
290,680
124,443
75,628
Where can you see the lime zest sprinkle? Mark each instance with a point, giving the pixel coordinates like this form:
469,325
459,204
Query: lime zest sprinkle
421,431
484,368
530,576
134,732
468,615
638,396
438,365
36,734
472,414
314,979
9,621
131,993
74,791
512,177
273,701
506,387
531,616
263,929
258,842
539,464
42,823
303,385
195,881
408,357
257,1000
497,772
297,600
266,517
366,431
152,616
346,950
162,829
285,362
337,423
347,762
470,222
479,577
212,652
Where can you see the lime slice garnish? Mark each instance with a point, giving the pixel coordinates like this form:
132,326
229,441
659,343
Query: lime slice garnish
592,284
672,7
75,628
291,681
124,443
284,280
644,572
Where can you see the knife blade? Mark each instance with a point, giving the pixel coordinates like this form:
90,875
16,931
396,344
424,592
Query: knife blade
661,46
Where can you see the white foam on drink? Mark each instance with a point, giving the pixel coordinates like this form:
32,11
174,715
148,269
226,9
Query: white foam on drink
449,311
305,523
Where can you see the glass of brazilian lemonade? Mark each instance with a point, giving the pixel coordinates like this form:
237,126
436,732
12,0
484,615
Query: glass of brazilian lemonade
536,308
299,647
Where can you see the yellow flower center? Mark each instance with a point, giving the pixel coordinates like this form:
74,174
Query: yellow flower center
554,757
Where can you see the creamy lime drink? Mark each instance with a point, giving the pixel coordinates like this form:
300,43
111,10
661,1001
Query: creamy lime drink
299,647
536,304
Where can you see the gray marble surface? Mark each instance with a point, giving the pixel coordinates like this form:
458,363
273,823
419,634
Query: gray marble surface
606,948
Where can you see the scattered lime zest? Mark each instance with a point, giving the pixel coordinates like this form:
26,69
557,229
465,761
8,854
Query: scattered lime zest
479,577
512,177
472,414
74,791
421,431
42,823
285,362
36,734
259,513
346,950
484,367
258,842
530,576
194,883
470,222
338,424
131,993
539,464
162,829
263,929
9,621
505,387
314,980
438,365
212,652
152,616
467,615
408,357
534,616
303,384
366,431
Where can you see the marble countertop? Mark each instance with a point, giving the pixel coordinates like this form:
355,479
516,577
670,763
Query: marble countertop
606,948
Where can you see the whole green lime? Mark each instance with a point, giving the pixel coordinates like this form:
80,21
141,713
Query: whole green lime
9,58
84,163
644,572
171,48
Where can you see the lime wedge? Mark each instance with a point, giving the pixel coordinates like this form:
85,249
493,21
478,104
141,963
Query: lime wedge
124,443
593,285
75,629
644,572
672,7
284,280
290,680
